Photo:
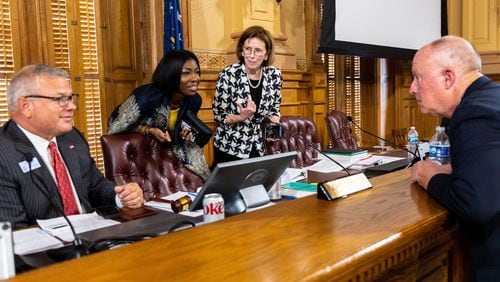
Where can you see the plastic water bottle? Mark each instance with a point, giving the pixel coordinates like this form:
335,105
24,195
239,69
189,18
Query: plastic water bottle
439,147
412,143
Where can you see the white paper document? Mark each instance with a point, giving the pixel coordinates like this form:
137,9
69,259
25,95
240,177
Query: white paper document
326,165
34,240
292,174
373,161
59,228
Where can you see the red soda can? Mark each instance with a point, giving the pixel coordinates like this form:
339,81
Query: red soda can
213,207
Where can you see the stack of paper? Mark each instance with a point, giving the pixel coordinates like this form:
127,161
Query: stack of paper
292,174
34,240
372,161
347,154
59,227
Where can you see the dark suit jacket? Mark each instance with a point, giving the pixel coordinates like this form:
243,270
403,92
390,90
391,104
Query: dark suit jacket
472,191
22,198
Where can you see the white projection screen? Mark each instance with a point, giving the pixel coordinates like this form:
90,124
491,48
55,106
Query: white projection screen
381,28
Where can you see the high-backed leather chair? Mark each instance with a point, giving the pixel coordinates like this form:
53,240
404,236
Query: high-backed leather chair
298,134
133,157
340,130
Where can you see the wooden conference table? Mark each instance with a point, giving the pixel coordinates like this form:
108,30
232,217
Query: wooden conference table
393,230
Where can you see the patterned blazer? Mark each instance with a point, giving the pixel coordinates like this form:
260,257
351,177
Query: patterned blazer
232,88
22,198
147,105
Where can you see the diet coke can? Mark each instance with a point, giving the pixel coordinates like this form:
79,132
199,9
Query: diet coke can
213,207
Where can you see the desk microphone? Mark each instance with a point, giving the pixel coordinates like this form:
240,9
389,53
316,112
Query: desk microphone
77,249
339,187
311,145
416,154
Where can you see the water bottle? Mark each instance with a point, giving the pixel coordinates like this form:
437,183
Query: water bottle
275,191
412,143
439,147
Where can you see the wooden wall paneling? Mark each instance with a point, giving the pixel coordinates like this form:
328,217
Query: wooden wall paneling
370,101
33,32
480,24
207,91
295,95
290,99
319,97
407,112
18,52
312,15
390,103
481,27
390,121
370,115
120,28
186,20
75,60
315,69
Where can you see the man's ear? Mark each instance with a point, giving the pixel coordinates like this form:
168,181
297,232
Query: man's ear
25,107
449,78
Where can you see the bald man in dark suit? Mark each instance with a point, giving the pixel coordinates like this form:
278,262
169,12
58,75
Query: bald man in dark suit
41,104
447,82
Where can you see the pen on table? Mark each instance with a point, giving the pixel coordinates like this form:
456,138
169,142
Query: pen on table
365,158
288,197
58,226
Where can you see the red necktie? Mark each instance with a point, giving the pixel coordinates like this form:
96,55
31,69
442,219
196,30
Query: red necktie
63,182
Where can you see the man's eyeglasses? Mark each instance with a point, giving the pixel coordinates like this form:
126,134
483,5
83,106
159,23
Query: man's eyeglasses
63,101
247,51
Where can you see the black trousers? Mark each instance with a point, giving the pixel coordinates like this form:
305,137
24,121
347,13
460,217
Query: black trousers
222,157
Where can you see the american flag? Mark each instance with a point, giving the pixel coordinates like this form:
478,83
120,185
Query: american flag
173,37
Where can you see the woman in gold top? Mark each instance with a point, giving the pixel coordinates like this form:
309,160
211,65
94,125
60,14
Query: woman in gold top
159,108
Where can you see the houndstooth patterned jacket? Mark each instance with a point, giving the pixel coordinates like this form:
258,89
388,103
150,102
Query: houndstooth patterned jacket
233,87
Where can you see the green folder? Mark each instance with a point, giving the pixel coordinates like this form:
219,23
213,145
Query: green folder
301,186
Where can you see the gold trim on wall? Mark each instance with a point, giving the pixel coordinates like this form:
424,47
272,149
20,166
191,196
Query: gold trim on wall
211,60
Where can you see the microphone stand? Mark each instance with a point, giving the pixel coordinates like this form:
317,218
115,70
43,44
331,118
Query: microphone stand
339,187
416,154
310,145
77,249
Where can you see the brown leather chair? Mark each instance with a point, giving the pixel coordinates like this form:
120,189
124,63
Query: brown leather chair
133,157
298,134
340,130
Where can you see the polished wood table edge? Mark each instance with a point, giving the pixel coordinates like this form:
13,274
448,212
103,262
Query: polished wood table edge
430,233
380,247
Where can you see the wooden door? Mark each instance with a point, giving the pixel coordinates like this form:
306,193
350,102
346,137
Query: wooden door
120,32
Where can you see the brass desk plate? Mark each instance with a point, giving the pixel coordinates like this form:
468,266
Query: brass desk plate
342,187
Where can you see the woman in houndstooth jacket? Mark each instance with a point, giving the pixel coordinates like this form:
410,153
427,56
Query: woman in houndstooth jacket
247,93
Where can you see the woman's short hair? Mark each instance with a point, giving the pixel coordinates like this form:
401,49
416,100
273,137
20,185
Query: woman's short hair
260,33
167,75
